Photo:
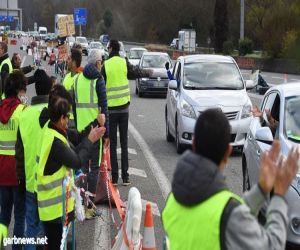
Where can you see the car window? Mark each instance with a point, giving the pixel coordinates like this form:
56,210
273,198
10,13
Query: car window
268,103
178,73
175,69
292,118
212,75
136,54
155,61
81,40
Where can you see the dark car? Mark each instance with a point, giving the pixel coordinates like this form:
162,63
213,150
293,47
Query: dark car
157,82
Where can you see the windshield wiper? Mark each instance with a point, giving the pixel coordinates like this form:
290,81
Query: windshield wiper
294,138
226,88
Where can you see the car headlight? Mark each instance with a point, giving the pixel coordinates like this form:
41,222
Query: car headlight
144,79
187,110
246,112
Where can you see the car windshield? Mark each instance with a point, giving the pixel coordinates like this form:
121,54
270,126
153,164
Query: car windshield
155,61
71,39
81,40
136,54
96,46
292,118
211,75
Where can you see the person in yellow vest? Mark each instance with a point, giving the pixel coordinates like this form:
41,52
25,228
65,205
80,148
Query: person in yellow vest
116,72
29,133
5,67
89,100
56,159
201,212
73,63
11,110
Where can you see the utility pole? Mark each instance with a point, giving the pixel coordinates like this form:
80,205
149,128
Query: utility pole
242,28
7,13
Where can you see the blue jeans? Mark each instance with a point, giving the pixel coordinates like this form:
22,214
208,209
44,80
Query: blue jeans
10,196
34,226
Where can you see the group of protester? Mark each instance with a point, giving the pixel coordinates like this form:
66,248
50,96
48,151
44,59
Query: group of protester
38,149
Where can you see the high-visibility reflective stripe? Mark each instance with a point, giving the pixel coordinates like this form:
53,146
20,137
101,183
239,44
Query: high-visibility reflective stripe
118,88
49,186
50,202
87,105
75,90
118,96
7,145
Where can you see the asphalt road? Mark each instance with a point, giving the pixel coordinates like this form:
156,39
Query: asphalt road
152,163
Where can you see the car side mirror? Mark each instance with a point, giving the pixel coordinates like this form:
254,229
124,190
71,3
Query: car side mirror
264,135
250,84
173,84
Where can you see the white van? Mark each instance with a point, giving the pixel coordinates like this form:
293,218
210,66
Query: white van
42,32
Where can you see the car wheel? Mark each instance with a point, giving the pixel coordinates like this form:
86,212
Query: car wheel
246,179
136,90
169,137
140,94
179,146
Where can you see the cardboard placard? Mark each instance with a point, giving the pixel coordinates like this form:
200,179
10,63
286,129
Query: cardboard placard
66,26
63,52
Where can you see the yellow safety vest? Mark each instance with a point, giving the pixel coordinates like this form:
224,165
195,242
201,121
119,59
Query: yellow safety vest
8,132
31,132
69,81
117,84
195,227
86,101
10,70
49,187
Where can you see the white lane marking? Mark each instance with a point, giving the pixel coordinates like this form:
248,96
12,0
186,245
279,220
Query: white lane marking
276,77
295,79
154,206
134,171
141,116
131,151
23,61
163,182
102,230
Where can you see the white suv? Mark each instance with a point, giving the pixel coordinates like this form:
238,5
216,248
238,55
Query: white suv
203,82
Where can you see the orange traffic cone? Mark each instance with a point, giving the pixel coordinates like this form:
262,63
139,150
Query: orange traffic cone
149,237
285,78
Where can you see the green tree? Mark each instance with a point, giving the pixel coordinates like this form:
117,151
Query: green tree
220,24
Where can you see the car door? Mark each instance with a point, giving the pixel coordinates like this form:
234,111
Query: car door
259,147
174,97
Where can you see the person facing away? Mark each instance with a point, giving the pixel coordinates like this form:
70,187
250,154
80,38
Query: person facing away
5,67
11,109
201,212
28,138
56,158
89,101
116,72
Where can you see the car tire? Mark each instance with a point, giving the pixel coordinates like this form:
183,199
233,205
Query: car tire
136,90
169,137
140,94
179,146
246,179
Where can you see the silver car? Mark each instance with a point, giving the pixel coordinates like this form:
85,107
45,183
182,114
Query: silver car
202,82
135,55
283,103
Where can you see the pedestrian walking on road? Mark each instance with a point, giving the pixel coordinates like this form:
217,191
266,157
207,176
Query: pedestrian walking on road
28,138
56,159
201,212
11,197
116,72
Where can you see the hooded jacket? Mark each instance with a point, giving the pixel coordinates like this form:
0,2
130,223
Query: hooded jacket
8,162
91,72
196,179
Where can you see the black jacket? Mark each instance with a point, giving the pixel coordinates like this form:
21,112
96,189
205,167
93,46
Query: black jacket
26,70
4,72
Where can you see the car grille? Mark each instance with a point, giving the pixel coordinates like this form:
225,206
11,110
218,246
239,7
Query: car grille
231,115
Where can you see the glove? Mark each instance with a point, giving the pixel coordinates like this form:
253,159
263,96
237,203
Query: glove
167,65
